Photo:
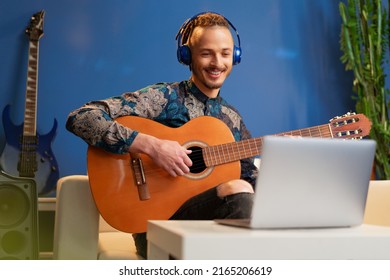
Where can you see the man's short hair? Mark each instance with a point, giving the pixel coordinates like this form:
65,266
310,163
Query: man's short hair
203,20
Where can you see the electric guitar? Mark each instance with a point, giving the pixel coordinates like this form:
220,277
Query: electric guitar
130,189
26,153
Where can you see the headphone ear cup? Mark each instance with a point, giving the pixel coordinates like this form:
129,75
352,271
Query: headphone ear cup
184,55
236,55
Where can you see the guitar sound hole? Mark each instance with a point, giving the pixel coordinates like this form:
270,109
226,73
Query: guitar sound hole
198,164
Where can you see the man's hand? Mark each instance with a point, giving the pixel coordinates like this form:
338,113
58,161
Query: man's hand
167,154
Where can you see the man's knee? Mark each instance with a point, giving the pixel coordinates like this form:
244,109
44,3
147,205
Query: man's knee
234,187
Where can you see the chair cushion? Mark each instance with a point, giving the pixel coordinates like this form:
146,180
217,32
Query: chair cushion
116,246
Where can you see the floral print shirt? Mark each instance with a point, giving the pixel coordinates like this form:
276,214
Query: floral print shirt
171,104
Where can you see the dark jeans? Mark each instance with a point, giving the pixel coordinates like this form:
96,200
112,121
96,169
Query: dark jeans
206,206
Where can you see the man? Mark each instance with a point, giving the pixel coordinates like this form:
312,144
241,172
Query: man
206,44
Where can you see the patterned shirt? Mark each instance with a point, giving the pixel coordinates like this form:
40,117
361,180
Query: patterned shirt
171,104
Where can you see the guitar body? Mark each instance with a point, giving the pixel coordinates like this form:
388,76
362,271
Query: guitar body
113,179
47,172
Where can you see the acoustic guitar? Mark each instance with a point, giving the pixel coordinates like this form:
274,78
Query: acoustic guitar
26,153
130,189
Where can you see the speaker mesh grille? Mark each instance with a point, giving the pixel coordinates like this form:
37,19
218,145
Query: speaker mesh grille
14,206
18,218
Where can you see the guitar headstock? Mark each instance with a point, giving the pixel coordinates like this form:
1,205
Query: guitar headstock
350,126
35,29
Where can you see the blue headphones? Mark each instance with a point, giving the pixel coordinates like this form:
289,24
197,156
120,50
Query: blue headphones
184,52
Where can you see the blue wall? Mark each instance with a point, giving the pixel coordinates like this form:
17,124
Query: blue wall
290,76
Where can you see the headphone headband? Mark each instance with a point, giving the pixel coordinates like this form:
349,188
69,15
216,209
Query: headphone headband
184,52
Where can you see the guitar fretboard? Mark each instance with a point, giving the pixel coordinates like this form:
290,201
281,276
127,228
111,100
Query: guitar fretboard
29,128
229,152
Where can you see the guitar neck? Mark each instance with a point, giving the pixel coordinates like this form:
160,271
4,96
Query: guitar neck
229,152
29,127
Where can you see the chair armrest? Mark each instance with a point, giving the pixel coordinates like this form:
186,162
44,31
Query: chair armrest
378,203
76,230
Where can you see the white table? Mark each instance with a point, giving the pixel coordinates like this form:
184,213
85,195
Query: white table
207,240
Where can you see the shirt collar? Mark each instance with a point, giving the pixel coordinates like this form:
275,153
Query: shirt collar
198,93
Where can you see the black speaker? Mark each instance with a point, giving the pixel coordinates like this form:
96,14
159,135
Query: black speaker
18,218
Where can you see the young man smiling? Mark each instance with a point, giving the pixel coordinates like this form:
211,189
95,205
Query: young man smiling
206,44
212,51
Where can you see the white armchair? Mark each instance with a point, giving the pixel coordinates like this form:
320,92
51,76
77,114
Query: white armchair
80,233
378,203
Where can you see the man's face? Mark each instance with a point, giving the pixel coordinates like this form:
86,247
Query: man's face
212,57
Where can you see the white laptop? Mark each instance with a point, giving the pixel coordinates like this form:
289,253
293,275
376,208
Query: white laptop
310,183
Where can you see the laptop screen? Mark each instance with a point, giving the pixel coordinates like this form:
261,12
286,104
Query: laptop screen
312,182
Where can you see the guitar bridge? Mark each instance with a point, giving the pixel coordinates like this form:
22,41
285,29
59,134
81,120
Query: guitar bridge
139,177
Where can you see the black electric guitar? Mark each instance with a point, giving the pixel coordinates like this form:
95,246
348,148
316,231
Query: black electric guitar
26,153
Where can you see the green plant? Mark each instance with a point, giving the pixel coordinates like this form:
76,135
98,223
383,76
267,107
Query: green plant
364,40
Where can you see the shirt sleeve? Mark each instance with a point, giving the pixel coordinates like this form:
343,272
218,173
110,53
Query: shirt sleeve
94,123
